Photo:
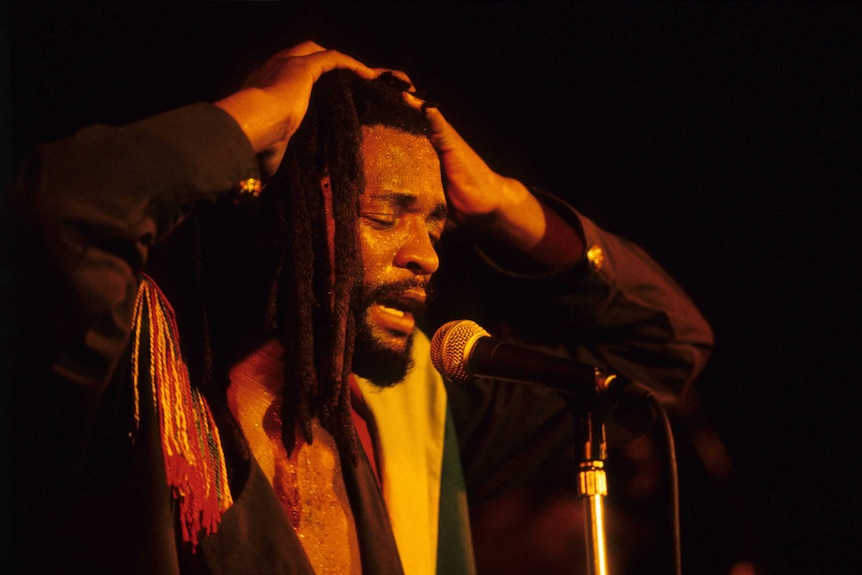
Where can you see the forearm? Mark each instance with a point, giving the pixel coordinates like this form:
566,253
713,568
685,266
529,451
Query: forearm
526,234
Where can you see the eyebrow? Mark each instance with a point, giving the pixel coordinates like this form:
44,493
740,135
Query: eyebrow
405,200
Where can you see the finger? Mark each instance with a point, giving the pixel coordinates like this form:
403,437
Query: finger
431,111
444,137
401,76
413,100
325,60
329,60
303,49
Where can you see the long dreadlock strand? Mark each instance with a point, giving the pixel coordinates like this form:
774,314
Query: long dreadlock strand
346,179
324,146
296,300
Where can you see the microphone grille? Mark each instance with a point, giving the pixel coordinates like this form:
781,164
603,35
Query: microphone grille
451,347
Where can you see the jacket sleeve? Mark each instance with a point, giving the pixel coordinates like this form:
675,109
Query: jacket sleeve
82,216
617,309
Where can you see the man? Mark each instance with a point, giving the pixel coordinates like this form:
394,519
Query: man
310,432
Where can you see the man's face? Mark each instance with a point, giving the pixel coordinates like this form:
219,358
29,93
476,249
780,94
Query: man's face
402,212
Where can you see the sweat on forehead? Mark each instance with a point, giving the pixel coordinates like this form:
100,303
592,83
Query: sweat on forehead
394,159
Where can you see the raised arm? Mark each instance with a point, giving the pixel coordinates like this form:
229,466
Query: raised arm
500,211
85,212
564,281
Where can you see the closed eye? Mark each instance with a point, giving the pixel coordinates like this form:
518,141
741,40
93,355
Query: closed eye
380,219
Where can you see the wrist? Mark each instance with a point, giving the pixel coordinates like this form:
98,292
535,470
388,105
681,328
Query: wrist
528,235
256,113
518,219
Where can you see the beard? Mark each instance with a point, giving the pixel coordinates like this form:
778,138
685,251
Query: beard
372,359
382,366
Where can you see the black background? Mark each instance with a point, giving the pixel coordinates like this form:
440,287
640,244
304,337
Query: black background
722,137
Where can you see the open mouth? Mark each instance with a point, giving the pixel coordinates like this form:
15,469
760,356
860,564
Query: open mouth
394,320
395,310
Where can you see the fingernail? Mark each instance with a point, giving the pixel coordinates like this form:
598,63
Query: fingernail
429,104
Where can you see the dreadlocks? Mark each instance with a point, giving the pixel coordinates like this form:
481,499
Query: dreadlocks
266,269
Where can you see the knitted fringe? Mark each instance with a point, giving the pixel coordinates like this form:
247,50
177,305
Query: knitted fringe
194,460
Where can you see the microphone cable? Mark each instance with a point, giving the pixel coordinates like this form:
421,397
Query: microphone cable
676,539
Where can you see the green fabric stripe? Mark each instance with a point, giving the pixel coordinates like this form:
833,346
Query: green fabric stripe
454,542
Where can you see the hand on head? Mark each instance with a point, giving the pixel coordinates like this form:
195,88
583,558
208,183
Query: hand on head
274,98
473,188
496,207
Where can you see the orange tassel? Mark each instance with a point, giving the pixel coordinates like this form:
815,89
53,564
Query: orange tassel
194,460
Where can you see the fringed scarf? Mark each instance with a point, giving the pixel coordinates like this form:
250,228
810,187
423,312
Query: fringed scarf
194,460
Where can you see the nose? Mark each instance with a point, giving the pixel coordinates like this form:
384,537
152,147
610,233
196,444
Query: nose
417,252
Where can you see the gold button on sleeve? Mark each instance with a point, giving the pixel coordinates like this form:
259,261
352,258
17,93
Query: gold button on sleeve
247,190
596,257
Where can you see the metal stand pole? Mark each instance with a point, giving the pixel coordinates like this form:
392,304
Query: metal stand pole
591,446
592,489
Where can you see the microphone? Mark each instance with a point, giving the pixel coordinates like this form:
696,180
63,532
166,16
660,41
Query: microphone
462,350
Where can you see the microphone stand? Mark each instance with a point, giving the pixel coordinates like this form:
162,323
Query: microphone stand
591,451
